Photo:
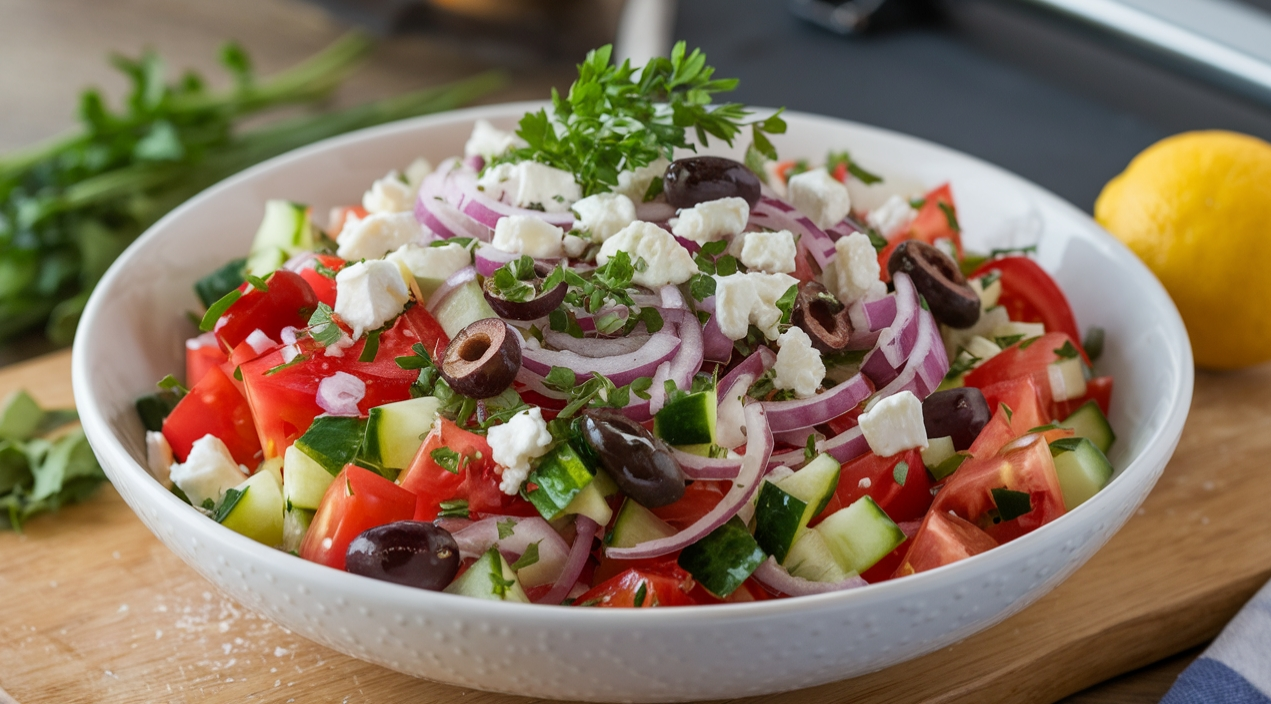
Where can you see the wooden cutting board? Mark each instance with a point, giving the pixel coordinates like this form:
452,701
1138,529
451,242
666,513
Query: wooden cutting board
95,609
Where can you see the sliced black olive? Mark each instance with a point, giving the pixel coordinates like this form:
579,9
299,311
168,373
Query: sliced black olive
822,317
413,553
939,280
640,464
957,413
482,360
533,309
699,179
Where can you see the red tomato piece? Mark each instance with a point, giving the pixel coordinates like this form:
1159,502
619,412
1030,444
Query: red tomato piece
475,481
661,587
289,301
206,355
1024,466
323,286
874,476
356,501
943,539
608,568
698,500
929,225
214,407
1025,358
1030,295
1017,408
1098,389
750,590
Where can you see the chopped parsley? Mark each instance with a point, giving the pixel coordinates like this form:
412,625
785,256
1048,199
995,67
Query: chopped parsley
1067,351
453,508
1011,504
527,558
834,159
901,472
227,504
506,528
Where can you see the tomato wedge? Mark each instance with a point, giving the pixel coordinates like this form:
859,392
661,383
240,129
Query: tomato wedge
288,302
1098,389
214,407
942,539
1030,295
930,225
877,477
667,585
323,285
699,498
474,479
356,501
1023,466
204,355
1025,358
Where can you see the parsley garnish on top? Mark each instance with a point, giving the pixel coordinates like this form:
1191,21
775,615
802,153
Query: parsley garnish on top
616,119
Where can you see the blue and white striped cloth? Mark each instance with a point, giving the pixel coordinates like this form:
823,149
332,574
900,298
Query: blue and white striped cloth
1236,667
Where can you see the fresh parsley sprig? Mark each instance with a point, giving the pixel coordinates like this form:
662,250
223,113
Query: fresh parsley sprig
472,414
608,285
596,392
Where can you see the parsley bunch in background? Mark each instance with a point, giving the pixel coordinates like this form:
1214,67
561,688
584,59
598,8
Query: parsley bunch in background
40,470
70,206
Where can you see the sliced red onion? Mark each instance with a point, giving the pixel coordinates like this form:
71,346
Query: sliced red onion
586,530
775,577
846,446
909,528
553,551
760,361
896,342
687,360
927,364
620,369
716,347
797,437
753,466
729,416
477,205
596,347
300,261
457,279
778,215
807,412
340,393
476,162
873,316
841,230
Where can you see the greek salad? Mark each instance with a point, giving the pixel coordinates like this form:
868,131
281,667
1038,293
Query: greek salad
584,364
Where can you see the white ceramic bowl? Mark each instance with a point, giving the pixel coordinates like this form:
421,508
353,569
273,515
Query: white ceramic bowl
132,334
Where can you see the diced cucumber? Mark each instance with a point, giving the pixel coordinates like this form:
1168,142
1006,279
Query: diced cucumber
304,481
590,502
811,559
284,231
214,286
490,577
259,512
333,441
295,523
860,535
724,559
395,431
273,465
602,482
938,450
1018,331
814,483
1067,379
465,305
785,506
1082,468
559,477
636,524
982,348
688,420
1089,422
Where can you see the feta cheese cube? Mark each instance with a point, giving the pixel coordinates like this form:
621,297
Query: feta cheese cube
892,216
378,234
894,424
526,234
604,214
159,459
855,270
665,260
529,184
418,170
634,183
369,294
712,220
574,245
488,141
513,444
208,471
742,300
819,196
773,252
799,366
432,262
390,194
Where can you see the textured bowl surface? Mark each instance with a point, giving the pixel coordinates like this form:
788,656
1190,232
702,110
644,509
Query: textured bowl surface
132,335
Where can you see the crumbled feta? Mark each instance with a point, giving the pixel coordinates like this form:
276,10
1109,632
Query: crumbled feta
665,260
513,444
432,262
799,366
488,141
892,216
712,220
390,194
260,342
369,294
604,214
865,483
773,252
855,270
635,183
529,184
208,471
376,235
574,245
1067,381
820,196
742,300
159,459
894,424
418,170
526,234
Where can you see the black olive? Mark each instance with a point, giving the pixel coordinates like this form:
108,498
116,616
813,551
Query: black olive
957,413
533,309
937,277
412,553
482,360
822,317
699,179
640,464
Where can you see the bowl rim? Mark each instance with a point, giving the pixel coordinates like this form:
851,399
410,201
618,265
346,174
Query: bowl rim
1155,452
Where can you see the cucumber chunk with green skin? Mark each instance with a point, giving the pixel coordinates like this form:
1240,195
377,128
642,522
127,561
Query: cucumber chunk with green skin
811,559
490,577
949,466
590,502
1082,468
259,512
1089,422
395,431
295,523
688,420
465,305
636,524
814,483
860,535
785,507
284,231
559,477
304,481
724,559
333,441
938,451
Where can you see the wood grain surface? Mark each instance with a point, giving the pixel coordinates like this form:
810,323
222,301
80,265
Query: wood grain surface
96,609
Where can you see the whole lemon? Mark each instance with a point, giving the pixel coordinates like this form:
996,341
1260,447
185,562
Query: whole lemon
1196,208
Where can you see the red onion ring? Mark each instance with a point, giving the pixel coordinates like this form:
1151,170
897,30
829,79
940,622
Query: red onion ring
340,394
457,279
716,347
464,195
846,446
596,347
896,342
779,215
586,530
687,361
872,316
927,365
553,552
776,578
620,369
806,412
